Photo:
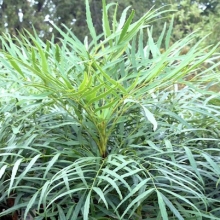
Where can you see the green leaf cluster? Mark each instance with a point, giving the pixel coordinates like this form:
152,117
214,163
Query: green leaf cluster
97,130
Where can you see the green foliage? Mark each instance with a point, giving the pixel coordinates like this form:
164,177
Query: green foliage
190,15
34,13
198,16
94,130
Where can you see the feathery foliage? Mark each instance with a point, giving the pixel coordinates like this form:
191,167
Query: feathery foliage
94,130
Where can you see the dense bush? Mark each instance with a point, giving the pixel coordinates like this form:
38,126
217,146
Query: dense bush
100,131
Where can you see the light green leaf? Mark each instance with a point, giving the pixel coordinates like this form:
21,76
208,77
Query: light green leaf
16,66
30,204
180,197
84,83
150,117
116,176
168,36
64,194
139,199
61,213
134,190
30,164
2,170
105,21
50,164
171,207
162,206
169,147
42,199
101,195
87,206
78,207
113,184
123,18
215,166
193,162
89,22
79,172
14,172
126,26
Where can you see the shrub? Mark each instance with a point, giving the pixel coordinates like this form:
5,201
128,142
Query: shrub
94,130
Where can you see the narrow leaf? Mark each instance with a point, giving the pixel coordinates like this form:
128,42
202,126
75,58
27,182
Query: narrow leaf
2,170
89,22
105,21
51,163
139,199
87,206
171,207
162,206
113,184
126,26
101,195
14,172
32,162
30,204
150,117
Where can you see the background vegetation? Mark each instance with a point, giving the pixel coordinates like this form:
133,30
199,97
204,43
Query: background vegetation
122,125
190,15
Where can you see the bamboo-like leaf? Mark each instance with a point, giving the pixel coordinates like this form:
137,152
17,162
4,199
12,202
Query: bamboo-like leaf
64,194
84,83
90,23
117,176
44,62
155,147
168,36
13,209
50,164
2,170
134,191
126,27
139,199
87,206
162,206
27,169
61,213
114,20
115,83
112,183
42,199
70,212
14,172
171,207
193,162
123,18
30,204
215,166
135,27
181,198
105,21
147,113
152,46
81,175
16,66
57,54
161,37
101,96
79,206
66,181
101,195
169,147
150,117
